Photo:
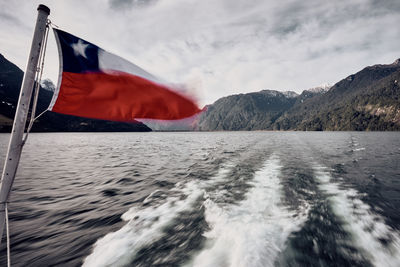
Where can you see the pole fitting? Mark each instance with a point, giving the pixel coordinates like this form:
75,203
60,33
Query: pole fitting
44,8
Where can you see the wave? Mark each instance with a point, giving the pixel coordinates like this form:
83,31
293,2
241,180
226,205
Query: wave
376,240
252,232
146,224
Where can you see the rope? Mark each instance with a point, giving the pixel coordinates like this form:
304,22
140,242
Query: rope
8,237
38,79
52,25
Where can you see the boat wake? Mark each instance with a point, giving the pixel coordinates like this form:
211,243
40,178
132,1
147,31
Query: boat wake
378,242
252,232
146,223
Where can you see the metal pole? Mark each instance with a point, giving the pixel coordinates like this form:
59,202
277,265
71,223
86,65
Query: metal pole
15,145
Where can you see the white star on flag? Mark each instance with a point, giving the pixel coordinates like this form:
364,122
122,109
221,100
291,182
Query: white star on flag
80,48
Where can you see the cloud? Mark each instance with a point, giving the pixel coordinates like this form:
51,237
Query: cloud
9,19
122,4
222,47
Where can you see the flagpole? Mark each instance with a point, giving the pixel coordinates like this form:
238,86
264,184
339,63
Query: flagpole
16,143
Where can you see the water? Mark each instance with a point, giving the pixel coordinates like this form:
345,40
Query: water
206,199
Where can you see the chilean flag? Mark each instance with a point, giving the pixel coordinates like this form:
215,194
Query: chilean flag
94,83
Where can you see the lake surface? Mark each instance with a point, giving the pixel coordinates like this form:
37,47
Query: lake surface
206,199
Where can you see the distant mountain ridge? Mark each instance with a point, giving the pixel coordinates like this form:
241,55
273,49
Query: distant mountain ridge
10,83
367,100
252,111
320,89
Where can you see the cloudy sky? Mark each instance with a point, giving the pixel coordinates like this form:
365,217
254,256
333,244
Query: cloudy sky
220,47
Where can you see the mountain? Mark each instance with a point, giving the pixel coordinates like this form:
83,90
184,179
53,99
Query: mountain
252,111
320,89
10,83
367,100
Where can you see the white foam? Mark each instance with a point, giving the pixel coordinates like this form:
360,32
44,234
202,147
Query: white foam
253,232
145,224
365,226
